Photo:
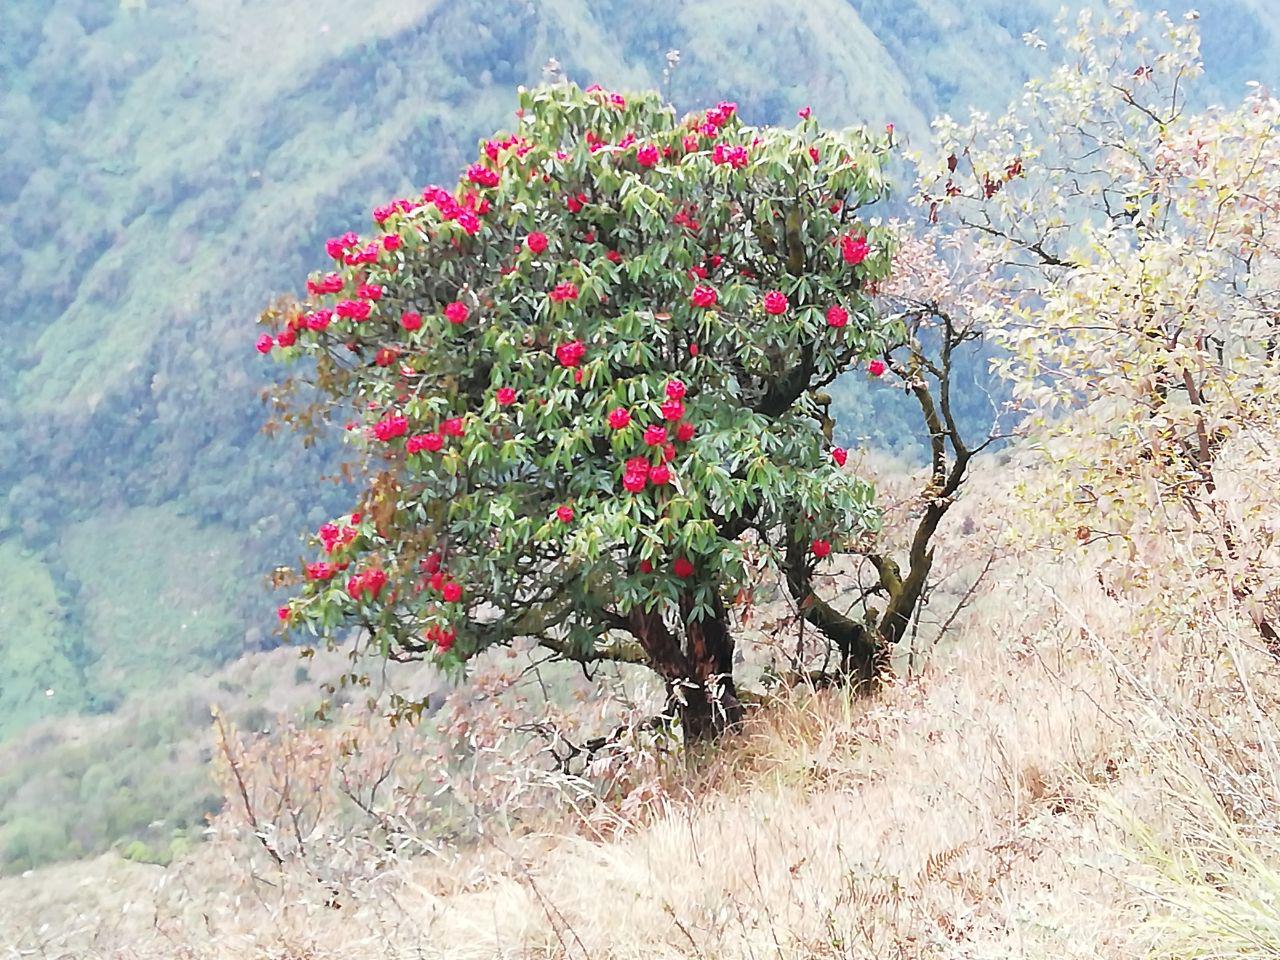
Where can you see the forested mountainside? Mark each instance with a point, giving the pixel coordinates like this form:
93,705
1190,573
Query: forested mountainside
169,166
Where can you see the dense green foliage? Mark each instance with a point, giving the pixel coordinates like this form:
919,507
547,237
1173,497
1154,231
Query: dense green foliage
588,370
167,166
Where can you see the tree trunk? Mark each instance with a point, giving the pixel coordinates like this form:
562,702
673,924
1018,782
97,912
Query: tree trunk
863,657
699,675
712,703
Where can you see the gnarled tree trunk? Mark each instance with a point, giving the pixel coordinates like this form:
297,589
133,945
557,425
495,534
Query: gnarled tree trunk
699,672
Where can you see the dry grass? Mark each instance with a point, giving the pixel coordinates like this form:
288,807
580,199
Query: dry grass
1056,784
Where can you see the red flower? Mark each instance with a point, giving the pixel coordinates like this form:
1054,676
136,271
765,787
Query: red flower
565,513
505,396
821,548
564,291
659,474
482,176
356,310
424,441
735,157
320,571
634,482
675,390
704,296
453,427
693,349
672,410
840,455
876,368
536,242
283,614
286,338
646,566
411,320
804,113
571,354
613,256
775,302
371,582
698,273
837,316
390,427
619,418
391,242
264,343
330,283
813,154
854,249
685,431
457,312
318,319
647,156
369,291
655,435
682,568
451,592
386,356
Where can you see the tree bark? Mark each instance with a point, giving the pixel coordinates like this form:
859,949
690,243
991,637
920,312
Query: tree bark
699,674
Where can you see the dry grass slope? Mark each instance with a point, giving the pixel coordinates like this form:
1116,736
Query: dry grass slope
1053,785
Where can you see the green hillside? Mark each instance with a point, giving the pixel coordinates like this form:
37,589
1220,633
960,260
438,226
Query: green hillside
168,166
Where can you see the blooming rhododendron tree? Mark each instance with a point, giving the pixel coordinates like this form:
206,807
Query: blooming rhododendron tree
585,385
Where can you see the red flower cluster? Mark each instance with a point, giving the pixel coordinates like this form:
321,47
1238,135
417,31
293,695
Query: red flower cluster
821,548
619,418
564,291
356,310
704,296
482,176
321,571
391,426
466,214
564,513
876,368
571,354
457,312
431,442
840,455
329,283
655,435
505,396
443,638
735,157
536,242
333,536
837,316
370,581
854,249
775,303
647,156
